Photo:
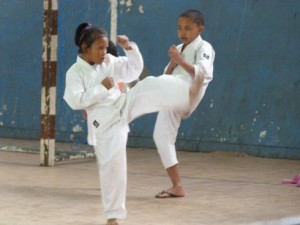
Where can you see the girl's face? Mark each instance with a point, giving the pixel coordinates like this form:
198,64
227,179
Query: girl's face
96,53
188,30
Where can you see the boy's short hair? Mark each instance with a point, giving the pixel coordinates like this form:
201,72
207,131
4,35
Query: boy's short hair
195,15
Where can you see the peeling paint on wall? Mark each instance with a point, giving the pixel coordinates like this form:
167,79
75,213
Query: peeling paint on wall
262,134
127,3
211,103
77,128
141,9
4,107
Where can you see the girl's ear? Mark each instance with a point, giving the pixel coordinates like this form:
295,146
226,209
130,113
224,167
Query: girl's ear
84,47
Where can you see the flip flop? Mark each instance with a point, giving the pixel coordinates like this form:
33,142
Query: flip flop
112,222
295,180
165,194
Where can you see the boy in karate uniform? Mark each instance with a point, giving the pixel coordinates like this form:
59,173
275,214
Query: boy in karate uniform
190,60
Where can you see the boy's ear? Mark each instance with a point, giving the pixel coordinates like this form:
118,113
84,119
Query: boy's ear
201,29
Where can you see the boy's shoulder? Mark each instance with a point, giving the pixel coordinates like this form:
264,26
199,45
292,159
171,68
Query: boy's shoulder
206,44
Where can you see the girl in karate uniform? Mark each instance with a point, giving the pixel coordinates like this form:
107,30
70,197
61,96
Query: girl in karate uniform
193,58
92,85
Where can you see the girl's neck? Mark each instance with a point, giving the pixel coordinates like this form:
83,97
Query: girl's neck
86,59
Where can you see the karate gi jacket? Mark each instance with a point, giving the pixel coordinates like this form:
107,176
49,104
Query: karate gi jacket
84,90
201,54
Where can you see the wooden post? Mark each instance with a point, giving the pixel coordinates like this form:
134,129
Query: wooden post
48,93
113,20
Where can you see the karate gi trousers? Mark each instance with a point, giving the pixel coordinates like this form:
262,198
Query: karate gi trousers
152,94
166,129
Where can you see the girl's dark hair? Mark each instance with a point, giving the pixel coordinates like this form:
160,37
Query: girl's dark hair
195,15
112,49
87,33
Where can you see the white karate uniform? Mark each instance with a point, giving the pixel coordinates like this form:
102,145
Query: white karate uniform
109,112
201,54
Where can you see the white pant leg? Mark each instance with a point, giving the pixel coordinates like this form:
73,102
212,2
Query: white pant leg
155,94
165,133
150,95
113,172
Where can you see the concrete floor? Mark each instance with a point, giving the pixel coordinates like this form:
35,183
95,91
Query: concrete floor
222,188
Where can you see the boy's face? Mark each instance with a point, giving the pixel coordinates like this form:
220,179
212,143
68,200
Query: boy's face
97,51
188,30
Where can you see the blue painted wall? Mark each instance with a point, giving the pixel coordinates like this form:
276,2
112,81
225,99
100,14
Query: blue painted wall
252,105
21,30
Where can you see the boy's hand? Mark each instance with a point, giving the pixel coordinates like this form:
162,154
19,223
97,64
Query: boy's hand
108,82
123,41
175,55
179,60
173,64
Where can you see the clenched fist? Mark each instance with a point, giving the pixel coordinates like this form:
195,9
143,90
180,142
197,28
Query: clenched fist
108,82
175,55
123,41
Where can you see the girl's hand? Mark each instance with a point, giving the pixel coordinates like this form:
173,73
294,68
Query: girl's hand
123,41
175,55
108,82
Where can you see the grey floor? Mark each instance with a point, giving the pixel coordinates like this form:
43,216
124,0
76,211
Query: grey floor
222,188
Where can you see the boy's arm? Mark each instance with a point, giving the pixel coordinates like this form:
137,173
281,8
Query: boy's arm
177,59
169,69
204,62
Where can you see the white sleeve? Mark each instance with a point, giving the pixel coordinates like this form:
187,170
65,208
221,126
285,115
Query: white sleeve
128,68
179,49
77,96
204,62
166,68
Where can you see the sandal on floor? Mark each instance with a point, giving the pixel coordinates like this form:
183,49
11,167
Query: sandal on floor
165,194
295,180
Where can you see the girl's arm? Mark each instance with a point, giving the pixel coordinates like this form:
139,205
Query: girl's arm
77,96
128,68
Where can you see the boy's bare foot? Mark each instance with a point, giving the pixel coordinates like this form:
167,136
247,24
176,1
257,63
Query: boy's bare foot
178,191
112,222
174,192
